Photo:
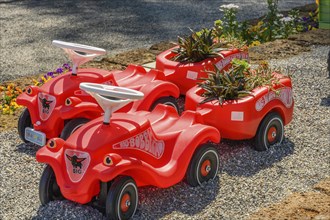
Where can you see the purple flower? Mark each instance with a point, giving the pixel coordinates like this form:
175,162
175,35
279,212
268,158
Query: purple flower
50,74
59,70
66,66
45,76
40,80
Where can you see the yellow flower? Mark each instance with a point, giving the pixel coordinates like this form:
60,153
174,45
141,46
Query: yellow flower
255,43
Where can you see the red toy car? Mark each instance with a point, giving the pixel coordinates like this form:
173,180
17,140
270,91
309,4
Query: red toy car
59,107
107,159
261,115
186,75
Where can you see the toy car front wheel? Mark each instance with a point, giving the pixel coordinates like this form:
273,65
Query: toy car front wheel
166,101
203,166
24,121
72,126
270,132
122,199
48,188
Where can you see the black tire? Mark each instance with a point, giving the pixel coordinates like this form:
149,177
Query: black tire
72,126
122,199
24,121
169,100
48,188
270,132
203,166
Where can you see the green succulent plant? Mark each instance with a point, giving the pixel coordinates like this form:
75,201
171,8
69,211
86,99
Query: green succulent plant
237,82
197,47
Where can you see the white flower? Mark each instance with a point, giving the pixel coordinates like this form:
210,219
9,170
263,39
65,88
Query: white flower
286,19
228,7
280,15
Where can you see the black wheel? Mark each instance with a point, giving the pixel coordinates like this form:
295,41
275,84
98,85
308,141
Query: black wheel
72,126
122,199
48,188
203,166
169,100
270,132
24,121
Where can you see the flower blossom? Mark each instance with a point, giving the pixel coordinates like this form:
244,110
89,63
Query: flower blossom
228,7
286,19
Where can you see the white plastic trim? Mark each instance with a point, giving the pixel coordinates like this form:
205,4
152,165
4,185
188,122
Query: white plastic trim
73,49
79,47
109,106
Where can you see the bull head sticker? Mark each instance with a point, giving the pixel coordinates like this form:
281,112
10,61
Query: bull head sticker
76,163
46,105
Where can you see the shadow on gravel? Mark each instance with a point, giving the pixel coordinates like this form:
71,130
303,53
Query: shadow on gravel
27,148
239,160
154,203
325,101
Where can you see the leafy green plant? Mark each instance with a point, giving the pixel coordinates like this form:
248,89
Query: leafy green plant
237,82
205,44
230,24
273,26
197,47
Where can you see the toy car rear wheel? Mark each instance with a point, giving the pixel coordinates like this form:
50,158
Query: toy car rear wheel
72,126
171,101
24,121
48,188
203,166
270,132
122,199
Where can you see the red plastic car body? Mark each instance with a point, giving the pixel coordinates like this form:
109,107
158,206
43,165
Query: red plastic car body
51,106
162,163
186,75
148,148
241,119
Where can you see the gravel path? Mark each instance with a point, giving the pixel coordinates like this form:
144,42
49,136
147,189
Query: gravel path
248,179
28,27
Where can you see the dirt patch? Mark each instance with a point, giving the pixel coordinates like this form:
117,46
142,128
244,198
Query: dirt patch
308,205
294,45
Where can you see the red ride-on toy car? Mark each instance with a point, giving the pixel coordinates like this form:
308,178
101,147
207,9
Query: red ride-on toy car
59,107
261,115
106,159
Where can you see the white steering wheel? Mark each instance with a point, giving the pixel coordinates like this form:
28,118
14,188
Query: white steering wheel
111,98
79,53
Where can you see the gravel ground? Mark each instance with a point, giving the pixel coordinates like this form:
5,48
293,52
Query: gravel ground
28,27
247,181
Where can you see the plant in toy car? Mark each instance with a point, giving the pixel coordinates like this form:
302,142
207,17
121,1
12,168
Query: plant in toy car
245,103
107,159
237,82
197,47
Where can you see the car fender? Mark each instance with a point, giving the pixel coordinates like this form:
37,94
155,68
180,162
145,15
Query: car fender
154,91
29,102
69,112
201,134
